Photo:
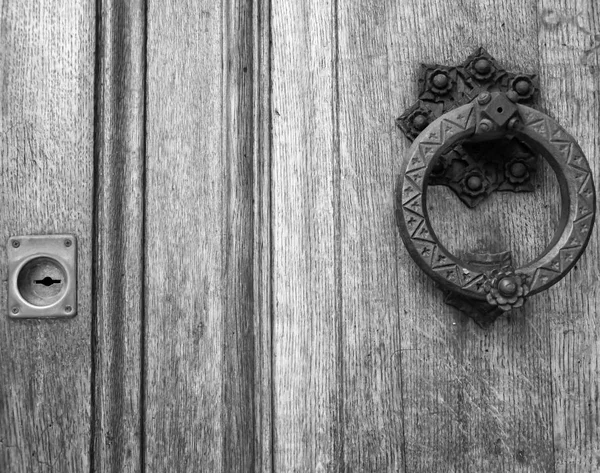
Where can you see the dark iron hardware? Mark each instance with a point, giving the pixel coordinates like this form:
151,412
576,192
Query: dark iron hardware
470,170
485,286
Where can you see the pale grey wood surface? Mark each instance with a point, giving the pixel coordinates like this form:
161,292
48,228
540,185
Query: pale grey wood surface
375,348
368,288
119,277
184,331
307,376
570,71
262,257
199,325
46,173
255,309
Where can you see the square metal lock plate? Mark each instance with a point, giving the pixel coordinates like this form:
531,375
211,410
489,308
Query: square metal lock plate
42,276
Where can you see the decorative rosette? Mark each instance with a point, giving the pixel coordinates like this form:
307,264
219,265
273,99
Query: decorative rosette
523,86
517,171
439,167
418,120
440,82
414,120
482,68
506,289
474,183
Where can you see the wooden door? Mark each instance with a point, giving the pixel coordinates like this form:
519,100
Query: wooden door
245,301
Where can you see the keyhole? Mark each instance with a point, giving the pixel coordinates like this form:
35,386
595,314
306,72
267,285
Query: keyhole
42,281
47,281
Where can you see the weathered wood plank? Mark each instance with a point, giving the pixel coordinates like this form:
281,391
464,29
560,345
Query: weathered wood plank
474,400
46,160
371,322
199,330
569,67
481,418
184,201
306,258
119,236
262,117
237,229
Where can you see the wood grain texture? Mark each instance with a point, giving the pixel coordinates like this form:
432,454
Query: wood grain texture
185,196
263,264
237,238
475,400
119,236
569,67
200,329
306,309
46,161
370,318
285,328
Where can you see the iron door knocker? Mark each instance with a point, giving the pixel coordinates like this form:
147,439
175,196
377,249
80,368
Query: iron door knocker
473,104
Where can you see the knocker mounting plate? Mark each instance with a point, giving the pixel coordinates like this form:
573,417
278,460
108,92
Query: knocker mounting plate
470,170
485,286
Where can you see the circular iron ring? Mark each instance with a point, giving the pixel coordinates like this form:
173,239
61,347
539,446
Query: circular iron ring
542,134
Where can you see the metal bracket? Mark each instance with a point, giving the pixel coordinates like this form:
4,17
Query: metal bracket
473,170
42,276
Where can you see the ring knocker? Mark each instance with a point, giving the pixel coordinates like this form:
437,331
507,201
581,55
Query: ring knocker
475,103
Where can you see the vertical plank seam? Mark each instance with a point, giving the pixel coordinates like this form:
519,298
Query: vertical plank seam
225,211
107,194
269,137
96,243
397,255
553,442
596,84
262,250
400,353
335,110
256,255
144,252
237,106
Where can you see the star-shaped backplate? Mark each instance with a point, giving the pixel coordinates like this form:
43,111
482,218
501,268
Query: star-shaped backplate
473,171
